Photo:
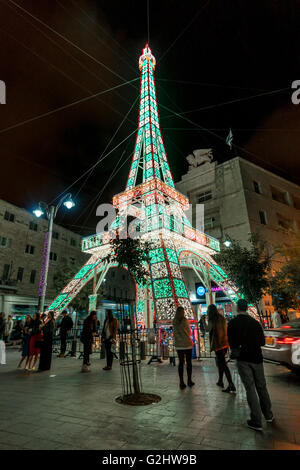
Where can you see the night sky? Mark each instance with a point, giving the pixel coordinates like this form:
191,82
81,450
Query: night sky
208,53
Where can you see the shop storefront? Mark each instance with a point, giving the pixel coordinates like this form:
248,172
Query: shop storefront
201,300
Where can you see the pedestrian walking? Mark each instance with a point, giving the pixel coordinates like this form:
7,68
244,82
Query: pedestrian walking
87,335
2,342
36,338
183,345
25,342
202,325
46,349
8,328
109,334
65,328
246,337
219,343
16,334
276,319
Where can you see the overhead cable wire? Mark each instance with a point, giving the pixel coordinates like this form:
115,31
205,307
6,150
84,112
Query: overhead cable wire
184,30
67,53
48,113
95,200
94,165
148,21
102,29
218,85
54,31
229,102
222,138
108,144
96,36
254,129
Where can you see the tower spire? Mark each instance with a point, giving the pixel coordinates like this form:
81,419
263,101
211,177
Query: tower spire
149,155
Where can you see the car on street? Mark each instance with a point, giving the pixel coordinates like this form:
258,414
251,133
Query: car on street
283,345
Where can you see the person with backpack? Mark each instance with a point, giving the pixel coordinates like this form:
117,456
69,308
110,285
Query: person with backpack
219,343
65,328
86,337
246,337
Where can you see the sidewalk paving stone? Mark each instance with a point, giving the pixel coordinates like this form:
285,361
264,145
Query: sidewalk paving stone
78,411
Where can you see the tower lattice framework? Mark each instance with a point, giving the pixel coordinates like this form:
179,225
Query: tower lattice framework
150,196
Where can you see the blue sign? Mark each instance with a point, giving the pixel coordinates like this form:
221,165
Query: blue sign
200,291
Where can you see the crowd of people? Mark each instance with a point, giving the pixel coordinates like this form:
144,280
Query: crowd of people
36,338
241,339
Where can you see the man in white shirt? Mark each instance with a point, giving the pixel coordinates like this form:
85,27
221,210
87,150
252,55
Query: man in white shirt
276,319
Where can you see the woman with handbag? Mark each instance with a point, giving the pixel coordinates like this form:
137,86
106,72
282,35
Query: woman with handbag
35,341
109,334
87,334
46,349
219,343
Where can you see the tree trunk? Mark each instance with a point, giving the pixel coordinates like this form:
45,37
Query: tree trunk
135,374
260,317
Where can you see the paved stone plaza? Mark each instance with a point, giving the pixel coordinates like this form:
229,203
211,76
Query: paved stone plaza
66,409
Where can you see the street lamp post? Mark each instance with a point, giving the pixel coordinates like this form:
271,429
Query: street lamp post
50,212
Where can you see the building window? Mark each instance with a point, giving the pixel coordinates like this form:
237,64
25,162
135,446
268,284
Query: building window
32,276
72,260
73,242
283,222
55,235
123,277
296,201
33,226
53,256
256,187
20,274
202,197
263,217
9,216
115,292
209,223
4,241
6,269
29,249
279,195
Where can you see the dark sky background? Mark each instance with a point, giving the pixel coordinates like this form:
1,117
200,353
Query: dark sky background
208,53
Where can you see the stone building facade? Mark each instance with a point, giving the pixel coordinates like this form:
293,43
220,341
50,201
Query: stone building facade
241,198
22,238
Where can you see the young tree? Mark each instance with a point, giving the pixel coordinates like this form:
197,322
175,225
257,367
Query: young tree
133,255
247,268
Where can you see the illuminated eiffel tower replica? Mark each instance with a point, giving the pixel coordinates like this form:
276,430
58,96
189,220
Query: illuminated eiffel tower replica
175,243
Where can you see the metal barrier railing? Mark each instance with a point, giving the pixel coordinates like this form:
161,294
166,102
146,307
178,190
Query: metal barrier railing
163,349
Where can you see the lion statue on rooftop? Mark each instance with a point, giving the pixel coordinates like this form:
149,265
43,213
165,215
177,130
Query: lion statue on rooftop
198,157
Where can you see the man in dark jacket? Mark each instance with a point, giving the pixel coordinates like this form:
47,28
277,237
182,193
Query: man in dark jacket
246,335
65,327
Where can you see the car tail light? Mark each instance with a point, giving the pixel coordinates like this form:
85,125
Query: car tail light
287,340
286,327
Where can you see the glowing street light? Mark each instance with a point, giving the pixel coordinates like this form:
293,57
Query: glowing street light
38,212
69,203
50,212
